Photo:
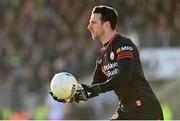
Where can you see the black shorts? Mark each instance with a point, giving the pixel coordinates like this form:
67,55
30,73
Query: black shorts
150,112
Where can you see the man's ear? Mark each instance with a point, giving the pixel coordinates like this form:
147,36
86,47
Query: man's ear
107,25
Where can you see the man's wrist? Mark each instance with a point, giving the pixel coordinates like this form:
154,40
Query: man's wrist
96,88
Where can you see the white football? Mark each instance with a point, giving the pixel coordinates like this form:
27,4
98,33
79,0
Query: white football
63,85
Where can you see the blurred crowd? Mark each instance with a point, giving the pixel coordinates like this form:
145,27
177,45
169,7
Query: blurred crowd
39,38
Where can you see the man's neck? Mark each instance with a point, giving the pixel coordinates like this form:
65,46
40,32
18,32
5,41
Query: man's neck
107,36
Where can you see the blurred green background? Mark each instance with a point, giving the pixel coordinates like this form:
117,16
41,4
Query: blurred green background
39,38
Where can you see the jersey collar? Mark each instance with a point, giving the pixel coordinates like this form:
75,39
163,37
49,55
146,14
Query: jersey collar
106,45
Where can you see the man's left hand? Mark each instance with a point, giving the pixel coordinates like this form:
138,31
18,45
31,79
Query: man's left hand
91,90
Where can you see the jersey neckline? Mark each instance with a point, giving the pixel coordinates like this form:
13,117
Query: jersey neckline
106,45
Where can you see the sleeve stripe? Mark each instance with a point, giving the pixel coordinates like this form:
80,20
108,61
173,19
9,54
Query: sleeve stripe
126,56
130,54
126,52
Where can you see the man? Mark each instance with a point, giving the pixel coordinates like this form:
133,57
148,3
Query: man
119,68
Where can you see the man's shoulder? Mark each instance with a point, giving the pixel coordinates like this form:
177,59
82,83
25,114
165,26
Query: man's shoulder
123,40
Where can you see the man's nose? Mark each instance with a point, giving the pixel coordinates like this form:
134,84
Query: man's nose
88,27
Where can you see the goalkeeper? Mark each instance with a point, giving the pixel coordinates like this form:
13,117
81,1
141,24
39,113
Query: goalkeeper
118,68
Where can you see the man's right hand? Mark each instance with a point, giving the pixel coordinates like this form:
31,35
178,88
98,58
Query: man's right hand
80,95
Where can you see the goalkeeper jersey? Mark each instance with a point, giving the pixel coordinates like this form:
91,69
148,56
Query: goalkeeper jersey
118,68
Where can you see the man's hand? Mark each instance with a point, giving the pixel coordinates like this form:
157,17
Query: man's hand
83,93
91,90
80,95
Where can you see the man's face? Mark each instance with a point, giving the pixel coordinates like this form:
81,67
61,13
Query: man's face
96,26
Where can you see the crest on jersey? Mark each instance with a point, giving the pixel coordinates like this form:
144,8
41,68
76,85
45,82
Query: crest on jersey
112,55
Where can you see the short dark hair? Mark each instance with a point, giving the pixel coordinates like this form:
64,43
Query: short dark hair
107,14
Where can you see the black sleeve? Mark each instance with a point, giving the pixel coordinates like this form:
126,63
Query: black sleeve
125,70
99,76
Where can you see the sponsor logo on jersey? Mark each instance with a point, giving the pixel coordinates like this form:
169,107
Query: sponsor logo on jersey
112,73
110,66
126,48
110,69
